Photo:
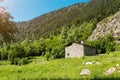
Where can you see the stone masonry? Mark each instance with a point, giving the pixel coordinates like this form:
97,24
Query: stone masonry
79,50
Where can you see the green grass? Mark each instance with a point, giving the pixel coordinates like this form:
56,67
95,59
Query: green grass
118,47
69,68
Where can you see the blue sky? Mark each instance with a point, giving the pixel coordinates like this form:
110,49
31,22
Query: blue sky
23,10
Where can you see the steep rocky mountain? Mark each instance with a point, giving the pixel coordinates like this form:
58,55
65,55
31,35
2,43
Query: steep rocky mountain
51,23
110,25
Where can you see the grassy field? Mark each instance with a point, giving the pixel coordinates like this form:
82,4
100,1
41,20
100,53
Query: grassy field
40,69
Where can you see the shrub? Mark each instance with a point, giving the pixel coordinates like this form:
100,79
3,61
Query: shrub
47,55
104,45
3,54
16,60
23,61
19,61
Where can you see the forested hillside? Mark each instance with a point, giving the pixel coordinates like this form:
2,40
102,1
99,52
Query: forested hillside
52,23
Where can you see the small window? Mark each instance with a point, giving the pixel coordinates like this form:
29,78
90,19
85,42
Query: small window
67,54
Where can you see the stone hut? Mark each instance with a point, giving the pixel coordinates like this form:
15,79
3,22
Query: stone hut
79,50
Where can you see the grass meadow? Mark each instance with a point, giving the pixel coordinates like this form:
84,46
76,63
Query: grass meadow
62,69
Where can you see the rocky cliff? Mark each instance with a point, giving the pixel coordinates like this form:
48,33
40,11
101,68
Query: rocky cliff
110,25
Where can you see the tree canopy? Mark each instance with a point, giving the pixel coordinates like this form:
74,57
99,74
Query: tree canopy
7,28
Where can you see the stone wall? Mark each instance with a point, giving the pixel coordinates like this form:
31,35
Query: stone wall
89,51
75,50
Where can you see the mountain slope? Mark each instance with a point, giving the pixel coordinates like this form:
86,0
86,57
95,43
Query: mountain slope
51,23
110,25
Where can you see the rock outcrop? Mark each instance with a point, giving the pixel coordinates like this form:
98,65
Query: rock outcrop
110,25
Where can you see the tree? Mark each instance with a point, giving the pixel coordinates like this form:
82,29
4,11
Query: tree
7,27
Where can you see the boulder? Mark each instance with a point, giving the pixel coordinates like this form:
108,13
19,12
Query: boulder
85,72
110,71
90,63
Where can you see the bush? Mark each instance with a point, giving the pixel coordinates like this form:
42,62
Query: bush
3,54
19,61
104,45
47,55
23,61
16,60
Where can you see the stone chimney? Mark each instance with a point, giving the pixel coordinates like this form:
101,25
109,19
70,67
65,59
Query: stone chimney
82,42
